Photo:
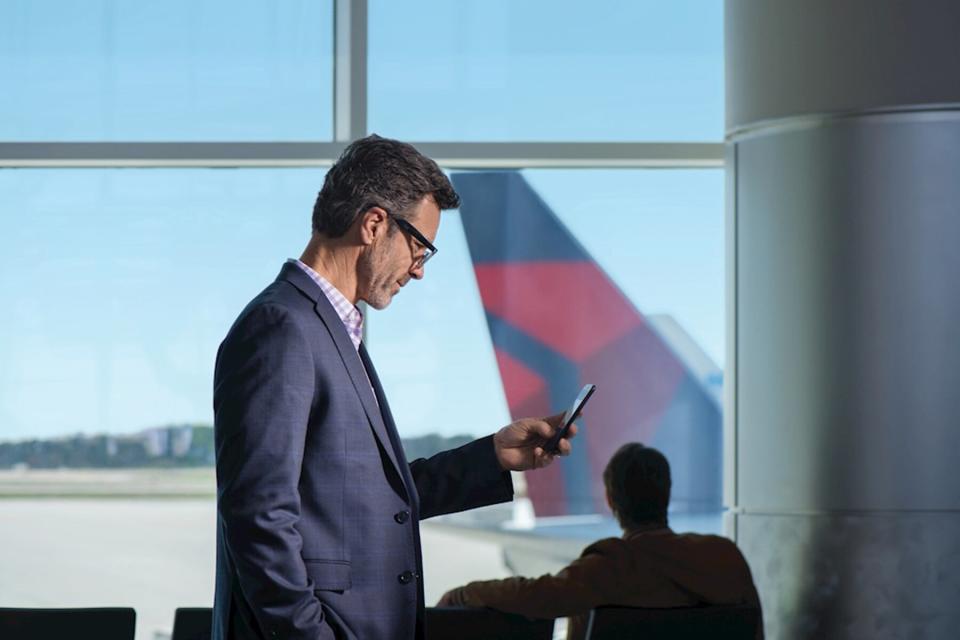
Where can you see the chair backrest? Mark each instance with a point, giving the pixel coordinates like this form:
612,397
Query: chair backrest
192,623
113,623
453,623
739,622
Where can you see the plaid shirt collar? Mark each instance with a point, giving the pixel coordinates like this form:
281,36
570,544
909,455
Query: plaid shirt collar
349,314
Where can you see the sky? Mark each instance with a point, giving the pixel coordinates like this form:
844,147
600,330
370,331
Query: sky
118,284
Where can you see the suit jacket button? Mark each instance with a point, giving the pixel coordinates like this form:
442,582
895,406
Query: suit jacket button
401,516
405,577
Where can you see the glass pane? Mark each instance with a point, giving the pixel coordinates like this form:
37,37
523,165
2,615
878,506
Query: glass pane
659,235
203,70
118,286
489,70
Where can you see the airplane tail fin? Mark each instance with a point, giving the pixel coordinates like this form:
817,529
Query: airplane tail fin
557,321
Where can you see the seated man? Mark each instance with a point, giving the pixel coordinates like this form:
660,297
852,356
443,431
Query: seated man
650,566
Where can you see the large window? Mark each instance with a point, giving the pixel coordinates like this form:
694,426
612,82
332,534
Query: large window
159,161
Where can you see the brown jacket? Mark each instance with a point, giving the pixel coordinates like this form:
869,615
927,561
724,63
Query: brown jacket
653,568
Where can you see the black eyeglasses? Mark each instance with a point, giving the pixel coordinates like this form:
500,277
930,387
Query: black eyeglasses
429,249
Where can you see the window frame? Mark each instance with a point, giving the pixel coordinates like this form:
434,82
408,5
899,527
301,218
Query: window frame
350,25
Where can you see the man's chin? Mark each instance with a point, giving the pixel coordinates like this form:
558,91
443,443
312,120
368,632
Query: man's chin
380,302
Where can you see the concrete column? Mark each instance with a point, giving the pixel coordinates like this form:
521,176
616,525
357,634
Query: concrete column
843,417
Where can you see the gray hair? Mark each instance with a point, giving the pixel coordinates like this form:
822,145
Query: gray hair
378,172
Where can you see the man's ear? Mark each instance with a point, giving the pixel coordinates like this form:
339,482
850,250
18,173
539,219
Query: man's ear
372,224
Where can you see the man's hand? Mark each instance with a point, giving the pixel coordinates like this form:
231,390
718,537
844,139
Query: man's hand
519,446
452,598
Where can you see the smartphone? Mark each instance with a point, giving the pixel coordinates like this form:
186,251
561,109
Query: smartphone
572,414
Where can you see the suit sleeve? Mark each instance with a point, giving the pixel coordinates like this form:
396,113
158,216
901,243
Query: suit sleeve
263,393
463,478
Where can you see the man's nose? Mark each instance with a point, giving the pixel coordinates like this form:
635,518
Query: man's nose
417,271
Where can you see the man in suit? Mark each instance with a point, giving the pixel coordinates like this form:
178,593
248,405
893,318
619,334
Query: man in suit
318,509
650,566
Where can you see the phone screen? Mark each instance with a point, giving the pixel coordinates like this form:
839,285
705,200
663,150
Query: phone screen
571,414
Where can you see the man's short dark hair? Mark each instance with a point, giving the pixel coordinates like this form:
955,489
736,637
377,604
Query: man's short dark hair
378,172
637,479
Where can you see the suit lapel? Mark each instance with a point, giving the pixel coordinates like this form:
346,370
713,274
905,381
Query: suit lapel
389,424
350,357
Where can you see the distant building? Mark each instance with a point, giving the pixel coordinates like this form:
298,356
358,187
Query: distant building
181,439
156,442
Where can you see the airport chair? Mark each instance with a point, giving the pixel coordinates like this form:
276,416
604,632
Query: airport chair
455,623
192,623
738,622
113,623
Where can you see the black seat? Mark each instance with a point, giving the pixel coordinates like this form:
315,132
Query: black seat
453,623
192,623
109,623
738,622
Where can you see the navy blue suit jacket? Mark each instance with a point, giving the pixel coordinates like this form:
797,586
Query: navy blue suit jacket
318,510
